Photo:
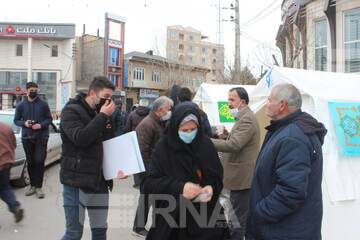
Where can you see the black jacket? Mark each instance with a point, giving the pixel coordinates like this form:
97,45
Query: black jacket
135,117
38,111
82,133
286,194
172,165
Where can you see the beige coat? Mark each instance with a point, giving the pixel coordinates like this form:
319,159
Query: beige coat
240,150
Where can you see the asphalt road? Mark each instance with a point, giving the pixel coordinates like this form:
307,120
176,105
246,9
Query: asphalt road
44,218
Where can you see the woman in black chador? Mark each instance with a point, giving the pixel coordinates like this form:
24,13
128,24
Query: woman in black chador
185,179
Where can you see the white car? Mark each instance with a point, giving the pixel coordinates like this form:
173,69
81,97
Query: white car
19,174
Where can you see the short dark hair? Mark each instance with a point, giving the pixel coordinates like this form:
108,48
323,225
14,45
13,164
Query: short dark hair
242,93
31,85
184,94
101,82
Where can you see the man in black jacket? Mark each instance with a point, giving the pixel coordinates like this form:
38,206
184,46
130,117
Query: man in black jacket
85,125
34,117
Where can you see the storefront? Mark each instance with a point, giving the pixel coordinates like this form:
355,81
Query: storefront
42,53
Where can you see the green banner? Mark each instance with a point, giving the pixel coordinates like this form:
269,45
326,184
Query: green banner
224,113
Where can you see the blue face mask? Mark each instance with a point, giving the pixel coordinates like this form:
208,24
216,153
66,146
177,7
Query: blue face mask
187,137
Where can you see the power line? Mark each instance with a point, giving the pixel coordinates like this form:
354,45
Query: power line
258,17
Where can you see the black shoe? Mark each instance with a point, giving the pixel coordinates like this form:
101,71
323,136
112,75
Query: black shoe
19,215
141,232
136,186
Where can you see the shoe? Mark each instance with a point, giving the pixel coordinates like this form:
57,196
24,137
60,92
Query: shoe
39,193
30,191
19,215
141,233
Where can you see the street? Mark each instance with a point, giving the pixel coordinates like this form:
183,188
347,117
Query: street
44,218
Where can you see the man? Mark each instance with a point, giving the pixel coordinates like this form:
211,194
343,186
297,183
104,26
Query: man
84,126
286,196
185,95
136,116
240,149
148,133
7,159
34,116
118,119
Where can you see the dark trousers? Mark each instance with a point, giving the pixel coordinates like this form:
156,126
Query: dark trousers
6,193
238,213
75,203
35,151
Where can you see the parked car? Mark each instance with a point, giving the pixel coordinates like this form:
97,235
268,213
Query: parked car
19,174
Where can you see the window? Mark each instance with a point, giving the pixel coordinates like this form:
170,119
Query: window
19,50
181,36
13,79
139,74
191,49
54,51
114,79
181,46
352,41
156,76
214,61
203,50
214,51
191,59
203,61
181,58
191,38
173,35
47,86
321,59
114,56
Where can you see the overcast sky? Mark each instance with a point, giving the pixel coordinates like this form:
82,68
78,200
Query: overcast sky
147,21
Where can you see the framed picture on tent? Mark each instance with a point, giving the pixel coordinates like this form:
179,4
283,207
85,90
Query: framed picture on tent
346,117
225,115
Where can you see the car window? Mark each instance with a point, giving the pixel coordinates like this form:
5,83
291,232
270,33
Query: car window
9,120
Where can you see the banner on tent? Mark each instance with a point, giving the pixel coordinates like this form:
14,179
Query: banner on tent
224,113
346,117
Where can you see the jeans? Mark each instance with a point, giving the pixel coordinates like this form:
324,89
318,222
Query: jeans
6,193
35,151
238,213
75,203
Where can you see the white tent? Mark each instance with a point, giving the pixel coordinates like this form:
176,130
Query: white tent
209,95
341,176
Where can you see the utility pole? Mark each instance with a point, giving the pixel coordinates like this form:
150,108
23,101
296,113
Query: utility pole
237,42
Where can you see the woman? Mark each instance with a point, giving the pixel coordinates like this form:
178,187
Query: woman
185,168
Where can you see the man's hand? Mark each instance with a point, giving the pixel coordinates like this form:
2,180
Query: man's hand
36,126
191,190
28,123
121,175
209,191
224,135
108,108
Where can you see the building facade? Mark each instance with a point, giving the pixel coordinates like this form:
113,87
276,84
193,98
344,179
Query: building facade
187,46
320,35
149,76
39,52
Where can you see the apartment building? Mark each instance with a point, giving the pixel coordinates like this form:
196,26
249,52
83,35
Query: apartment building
187,46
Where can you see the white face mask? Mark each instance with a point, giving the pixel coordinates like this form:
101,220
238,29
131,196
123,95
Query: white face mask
167,116
234,112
